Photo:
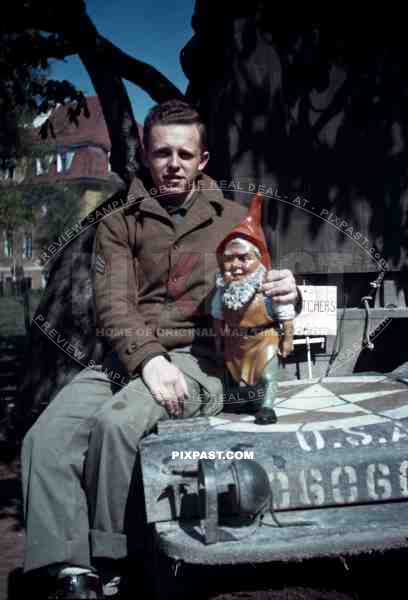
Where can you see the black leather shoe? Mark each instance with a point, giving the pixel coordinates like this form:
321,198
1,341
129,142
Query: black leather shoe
78,587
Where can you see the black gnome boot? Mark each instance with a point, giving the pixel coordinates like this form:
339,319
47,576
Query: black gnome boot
265,416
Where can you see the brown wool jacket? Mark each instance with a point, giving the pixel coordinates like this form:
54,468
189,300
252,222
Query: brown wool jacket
153,279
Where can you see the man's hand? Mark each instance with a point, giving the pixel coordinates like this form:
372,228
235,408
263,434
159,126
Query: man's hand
281,286
166,383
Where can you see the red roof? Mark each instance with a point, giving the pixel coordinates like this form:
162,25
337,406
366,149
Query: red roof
89,139
90,130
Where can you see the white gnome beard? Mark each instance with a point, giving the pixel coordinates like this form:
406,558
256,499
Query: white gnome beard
238,293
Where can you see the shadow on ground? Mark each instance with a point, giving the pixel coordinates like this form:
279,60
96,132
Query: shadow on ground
11,526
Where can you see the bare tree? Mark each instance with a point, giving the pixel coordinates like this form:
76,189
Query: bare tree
67,302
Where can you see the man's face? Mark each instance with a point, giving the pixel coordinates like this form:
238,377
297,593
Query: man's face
239,261
175,158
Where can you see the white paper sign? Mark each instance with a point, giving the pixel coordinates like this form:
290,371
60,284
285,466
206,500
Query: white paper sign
319,312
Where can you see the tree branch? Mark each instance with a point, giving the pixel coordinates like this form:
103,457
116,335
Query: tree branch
76,29
106,66
117,110
138,72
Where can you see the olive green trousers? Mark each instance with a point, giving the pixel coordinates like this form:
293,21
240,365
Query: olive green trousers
79,456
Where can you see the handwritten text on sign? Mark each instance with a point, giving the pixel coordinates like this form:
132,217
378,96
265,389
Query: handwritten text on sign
319,312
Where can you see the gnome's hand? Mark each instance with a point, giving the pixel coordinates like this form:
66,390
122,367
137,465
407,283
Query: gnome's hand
281,286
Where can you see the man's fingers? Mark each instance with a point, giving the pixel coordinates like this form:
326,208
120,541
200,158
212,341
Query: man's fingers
181,386
280,288
181,391
165,395
174,396
281,285
276,275
283,295
283,298
173,407
166,383
166,391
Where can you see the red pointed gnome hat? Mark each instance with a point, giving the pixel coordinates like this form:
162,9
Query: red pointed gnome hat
250,229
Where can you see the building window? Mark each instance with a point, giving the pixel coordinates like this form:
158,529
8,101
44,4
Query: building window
8,174
28,247
43,163
8,247
64,161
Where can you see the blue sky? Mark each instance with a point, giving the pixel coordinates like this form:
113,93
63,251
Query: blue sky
153,31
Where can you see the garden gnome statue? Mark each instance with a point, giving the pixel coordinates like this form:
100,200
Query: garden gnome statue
251,330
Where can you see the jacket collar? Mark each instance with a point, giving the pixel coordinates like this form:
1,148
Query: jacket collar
209,202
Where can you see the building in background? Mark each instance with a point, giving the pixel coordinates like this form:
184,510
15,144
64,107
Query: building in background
78,155
75,158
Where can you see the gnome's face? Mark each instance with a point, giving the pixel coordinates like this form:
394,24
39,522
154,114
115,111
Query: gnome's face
242,272
240,260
